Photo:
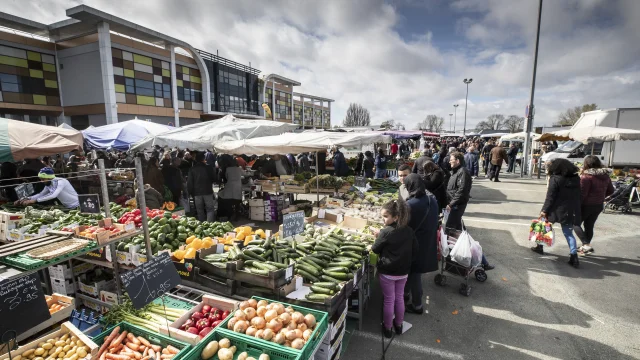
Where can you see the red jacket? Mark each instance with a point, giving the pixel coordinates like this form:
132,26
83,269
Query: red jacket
595,185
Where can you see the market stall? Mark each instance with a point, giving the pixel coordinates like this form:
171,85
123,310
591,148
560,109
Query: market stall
121,135
23,140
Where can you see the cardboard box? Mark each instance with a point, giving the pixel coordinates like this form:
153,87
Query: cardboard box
60,272
102,254
109,297
256,202
352,223
257,217
295,284
126,257
8,222
94,306
62,286
93,289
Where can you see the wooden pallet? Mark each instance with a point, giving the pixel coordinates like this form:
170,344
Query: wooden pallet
24,246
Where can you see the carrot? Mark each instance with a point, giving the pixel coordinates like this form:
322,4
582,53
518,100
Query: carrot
144,341
116,348
156,348
145,351
117,357
133,339
108,340
152,354
172,350
165,351
167,356
119,339
132,346
103,356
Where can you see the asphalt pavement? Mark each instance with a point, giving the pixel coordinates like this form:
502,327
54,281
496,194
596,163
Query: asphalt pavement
531,306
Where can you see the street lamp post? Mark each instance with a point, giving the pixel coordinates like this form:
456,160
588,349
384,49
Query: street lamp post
455,116
466,81
450,115
530,112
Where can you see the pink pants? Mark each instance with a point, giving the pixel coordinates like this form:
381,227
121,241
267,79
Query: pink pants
393,294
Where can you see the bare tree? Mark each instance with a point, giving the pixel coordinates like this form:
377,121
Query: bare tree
514,123
572,115
400,126
356,115
493,122
388,124
431,123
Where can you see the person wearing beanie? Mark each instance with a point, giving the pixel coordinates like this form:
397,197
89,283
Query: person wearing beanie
55,188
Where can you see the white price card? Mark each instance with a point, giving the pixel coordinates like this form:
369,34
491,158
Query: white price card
288,272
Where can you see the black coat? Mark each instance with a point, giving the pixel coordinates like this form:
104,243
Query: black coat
418,166
396,247
200,180
424,222
435,184
459,186
562,204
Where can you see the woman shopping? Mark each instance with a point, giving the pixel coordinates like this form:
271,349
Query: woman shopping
381,165
396,245
595,186
562,203
230,196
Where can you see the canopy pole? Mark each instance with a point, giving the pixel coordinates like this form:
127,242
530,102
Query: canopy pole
107,213
142,205
317,181
592,144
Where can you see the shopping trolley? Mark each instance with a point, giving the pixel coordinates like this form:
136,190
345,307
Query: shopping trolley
452,267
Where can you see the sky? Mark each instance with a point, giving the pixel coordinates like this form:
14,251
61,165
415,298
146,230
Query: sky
406,59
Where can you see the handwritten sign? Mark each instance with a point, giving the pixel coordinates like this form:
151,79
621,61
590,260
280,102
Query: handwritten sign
22,304
24,190
360,181
292,223
89,203
151,280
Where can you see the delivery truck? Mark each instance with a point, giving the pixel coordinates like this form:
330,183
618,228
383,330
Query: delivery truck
613,153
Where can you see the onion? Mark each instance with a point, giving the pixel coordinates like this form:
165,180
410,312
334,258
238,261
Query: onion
307,334
310,320
244,305
253,303
251,313
267,334
297,344
297,317
279,308
292,335
262,303
240,326
258,322
270,314
285,317
289,309
287,343
261,311
251,331
298,333
259,333
292,326
275,324
302,327
240,315
231,323
279,339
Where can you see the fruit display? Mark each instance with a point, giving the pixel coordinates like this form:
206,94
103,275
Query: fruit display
135,216
92,231
169,205
204,321
125,345
225,350
273,322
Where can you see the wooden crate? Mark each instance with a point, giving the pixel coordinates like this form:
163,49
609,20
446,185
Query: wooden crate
219,302
65,328
56,317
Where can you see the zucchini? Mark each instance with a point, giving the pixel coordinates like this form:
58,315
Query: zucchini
347,264
321,290
339,275
327,285
316,262
302,253
256,242
329,278
253,255
257,271
310,263
306,275
264,266
317,297
308,268
276,264
341,269
351,248
351,255
267,253
267,243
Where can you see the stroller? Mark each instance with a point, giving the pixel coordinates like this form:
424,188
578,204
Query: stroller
452,267
622,197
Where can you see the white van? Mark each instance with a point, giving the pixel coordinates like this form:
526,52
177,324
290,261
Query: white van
612,153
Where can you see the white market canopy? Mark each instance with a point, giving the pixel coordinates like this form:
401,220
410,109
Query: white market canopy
600,134
518,136
66,126
493,135
296,143
202,136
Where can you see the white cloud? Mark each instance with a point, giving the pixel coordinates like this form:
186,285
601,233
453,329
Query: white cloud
351,52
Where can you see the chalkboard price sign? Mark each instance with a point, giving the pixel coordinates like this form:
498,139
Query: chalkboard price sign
89,203
151,280
22,304
292,223
360,181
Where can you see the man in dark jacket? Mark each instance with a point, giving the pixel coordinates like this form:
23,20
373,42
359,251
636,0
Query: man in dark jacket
340,166
471,161
458,190
200,186
186,163
303,163
486,154
418,166
173,178
498,154
511,155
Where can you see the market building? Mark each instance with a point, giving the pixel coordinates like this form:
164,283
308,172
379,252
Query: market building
95,69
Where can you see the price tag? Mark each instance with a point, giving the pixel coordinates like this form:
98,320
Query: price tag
22,304
292,223
150,280
89,203
360,181
288,273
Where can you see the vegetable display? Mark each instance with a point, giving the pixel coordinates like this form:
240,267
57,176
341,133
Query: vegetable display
384,185
202,322
67,346
326,182
226,351
151,317
128,346
273,322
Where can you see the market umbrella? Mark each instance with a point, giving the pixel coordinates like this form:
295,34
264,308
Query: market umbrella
121,135
602,134
21,140
66,126
202,136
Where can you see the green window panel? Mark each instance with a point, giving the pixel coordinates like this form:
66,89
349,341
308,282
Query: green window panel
39,100
8,60
119,88
51,84
195,79
142,59
128,73
36,73
179,82
166,72
146,100
48,67
34,56
185,70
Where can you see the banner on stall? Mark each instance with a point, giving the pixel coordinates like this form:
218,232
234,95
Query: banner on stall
151,280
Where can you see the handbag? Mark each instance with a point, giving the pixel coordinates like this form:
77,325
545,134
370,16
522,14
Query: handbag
541,232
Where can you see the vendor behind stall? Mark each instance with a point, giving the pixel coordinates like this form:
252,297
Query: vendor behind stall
55,188
231,194
152,198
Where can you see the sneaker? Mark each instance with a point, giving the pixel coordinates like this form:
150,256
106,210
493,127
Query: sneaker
414,310
586,249
539,249
573,260
387,332
496,180
398,329
488,267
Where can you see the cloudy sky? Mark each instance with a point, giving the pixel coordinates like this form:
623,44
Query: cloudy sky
405,59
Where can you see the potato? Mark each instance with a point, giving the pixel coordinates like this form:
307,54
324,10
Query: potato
210,350
39,351
28,352
264,357
47,346
39,358
225,354
233,349
243,356
81,353
224,343
64,337
17,357
74,357
66,348
59,343
40,344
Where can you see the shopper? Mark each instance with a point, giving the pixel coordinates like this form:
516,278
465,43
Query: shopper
394,149
230,197
434,183
486,156
418,165
403,171
458,190
367,164
153,176
471,161
498,154
303,162
562,203
54,188
30,171
512,154
397,246
595,186
172,178
357,170
340,166
186,163
381,165
423,221
200,185
152,198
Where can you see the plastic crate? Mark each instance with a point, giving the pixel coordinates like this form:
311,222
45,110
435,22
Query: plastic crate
25,262
153,337
309,347
242,344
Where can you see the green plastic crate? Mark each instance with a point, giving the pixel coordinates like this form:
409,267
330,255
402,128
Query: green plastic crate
310,346
153,337
25,262
242,344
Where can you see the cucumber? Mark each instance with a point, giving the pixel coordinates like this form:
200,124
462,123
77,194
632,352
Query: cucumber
347,264
255,249
329,278
276,264
309,269
264,266
325,249
267,253
309,262
327,285
338,275
256,242
306,275
351,255
321,290
257,271
253,255
340,269
267,243
351,248
317,297
302,253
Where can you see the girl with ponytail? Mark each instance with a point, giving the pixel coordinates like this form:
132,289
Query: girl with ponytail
395,245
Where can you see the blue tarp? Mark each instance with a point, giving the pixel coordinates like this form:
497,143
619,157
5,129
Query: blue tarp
121,135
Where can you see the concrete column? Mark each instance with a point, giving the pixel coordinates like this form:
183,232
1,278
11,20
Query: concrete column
293,106
322,112
302,117
106,65
329,104
174,88
61,118
206,81
313,112
273,100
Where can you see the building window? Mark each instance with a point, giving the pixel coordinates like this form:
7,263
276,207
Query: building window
28,77
140,79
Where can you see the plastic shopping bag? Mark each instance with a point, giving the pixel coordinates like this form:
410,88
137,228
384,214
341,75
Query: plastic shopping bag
444,245
476,253
541,232
445,216
461,252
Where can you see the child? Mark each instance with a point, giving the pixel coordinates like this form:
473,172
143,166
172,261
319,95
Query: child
395,244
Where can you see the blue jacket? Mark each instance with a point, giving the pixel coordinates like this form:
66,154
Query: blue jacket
340,164
471,163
